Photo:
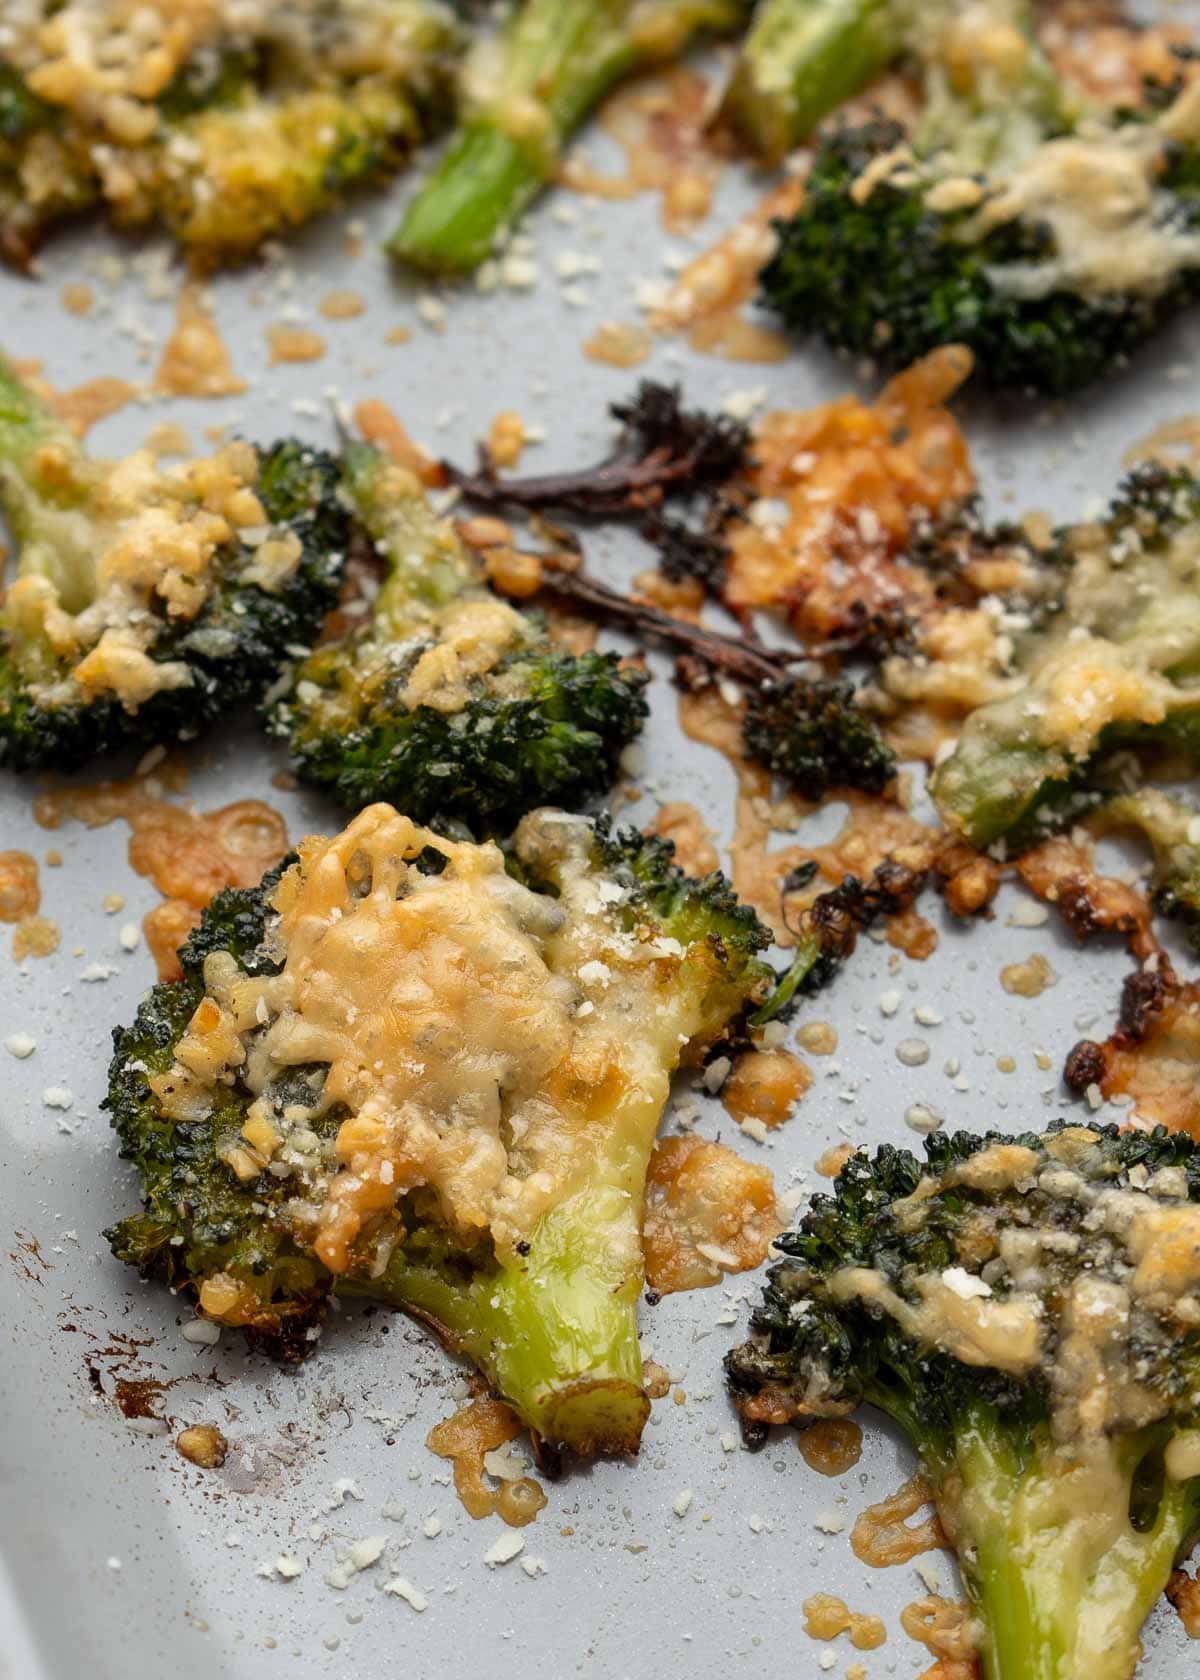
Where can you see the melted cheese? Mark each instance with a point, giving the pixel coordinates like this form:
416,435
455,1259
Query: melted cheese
107,61
491,1049
1098,194
147,540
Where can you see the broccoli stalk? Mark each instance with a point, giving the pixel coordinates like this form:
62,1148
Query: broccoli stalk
1118,667
1012,1303
406,1071
523,98
148,600
800,59
445,698
973,228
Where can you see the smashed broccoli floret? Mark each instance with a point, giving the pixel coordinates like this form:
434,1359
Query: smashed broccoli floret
1049,241
445,698
1024,1308
225,135
150,600
407,1069
1117,667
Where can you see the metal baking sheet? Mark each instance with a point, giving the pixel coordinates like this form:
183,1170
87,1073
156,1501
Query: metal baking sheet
119,1559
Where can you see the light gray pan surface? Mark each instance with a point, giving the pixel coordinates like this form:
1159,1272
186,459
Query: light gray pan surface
118,1559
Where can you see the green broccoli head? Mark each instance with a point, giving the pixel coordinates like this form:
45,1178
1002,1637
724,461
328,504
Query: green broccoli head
445,698
419,1071
1024,1308
817,736
1115,668
257,129
897,250
149,601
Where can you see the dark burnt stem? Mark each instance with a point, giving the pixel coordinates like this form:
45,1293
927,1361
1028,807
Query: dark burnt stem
744,661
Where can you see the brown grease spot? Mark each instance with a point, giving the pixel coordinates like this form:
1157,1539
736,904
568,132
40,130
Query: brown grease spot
202,1445
825,1617
831,1446
77,298
819,1038
20,893
138,1397
506,438
189,855
342,305
618,344
707,1212
830,1163
86,405
765,1085
686,829
882,1536
195,360
294,344
475,1430
1029,978
35,936
943,1624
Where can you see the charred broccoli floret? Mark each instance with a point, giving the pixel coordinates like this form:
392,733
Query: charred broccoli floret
1116,667
1024,1308
150,600
817,736
523,96
225,133
1050,242
446,699
405,1070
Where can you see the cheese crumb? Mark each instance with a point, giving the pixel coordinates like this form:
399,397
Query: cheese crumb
683,1502
504,1550
965,1285
403,1588
20,1045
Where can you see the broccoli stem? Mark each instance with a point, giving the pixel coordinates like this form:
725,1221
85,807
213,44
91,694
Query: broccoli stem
1060,1575
555,61
554,1331
801,59
42,495
426,567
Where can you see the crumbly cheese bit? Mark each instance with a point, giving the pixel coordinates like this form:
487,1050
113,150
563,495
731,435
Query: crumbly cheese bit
504,1550
402,1587
21,1045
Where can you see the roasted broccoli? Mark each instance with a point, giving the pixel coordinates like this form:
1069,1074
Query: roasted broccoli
1050,242
227,133
1024,1308
1116,667
523,96
446,699
149,600
410,1069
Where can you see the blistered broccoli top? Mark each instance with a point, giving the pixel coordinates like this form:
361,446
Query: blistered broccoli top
444,698
1028,1310
437,1078
1060,1269
227,120
150,597
1116,666
1049,239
